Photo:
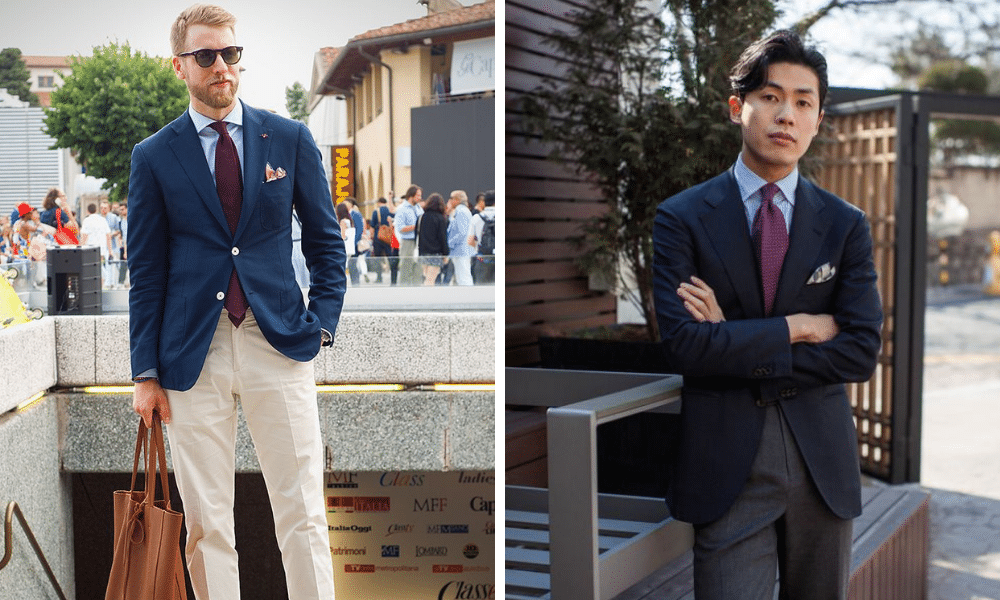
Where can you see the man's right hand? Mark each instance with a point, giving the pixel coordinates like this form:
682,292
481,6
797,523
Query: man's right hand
811,329
147,397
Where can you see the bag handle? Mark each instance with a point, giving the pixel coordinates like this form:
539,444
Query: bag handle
157,453
149,441
141,445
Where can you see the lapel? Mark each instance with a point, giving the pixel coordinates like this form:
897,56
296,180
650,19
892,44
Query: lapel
809,228
256,144
188,151
726,226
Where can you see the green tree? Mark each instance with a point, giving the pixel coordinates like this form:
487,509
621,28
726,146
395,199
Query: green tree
641,111
296,102
108,103
15,77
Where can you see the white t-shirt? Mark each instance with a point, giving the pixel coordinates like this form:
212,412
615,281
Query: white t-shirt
96,228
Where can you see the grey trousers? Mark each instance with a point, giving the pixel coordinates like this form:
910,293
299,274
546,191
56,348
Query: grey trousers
778,528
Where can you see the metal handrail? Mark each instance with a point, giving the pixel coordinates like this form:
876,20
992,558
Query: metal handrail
8,529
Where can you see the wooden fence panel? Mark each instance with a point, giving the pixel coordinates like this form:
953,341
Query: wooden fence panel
858,163
547,202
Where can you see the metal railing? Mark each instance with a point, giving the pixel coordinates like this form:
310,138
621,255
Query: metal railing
8,528
579,570
597,545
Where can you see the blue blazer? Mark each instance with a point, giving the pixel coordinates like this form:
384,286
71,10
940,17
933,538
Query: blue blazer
728,367
181,253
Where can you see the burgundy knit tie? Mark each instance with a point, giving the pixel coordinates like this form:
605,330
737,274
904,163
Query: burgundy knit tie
230,187
770,238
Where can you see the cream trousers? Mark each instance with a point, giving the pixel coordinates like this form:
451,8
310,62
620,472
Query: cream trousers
278,397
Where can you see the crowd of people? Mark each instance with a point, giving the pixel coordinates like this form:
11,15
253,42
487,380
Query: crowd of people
29,231
419,241
410,242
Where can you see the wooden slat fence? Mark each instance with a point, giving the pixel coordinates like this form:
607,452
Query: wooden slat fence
858,158
546,202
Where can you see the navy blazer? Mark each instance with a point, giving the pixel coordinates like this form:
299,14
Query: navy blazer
730,368
181,253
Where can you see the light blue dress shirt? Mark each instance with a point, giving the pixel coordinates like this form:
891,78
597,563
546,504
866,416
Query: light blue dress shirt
750,184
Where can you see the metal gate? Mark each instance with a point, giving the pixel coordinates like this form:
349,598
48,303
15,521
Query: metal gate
874,151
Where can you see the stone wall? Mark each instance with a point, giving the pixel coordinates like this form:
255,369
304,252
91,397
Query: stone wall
68,433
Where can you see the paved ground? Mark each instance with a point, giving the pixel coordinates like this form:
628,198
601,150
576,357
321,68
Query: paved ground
961,443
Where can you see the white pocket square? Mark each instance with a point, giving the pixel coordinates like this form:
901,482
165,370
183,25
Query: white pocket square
823,274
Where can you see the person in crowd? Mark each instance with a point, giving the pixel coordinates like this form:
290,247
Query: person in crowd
432,237
298,259
405,223
6,242
479,205
767,301
482,237
346,230
358,227
382,250
459,251
123,252
217,321
114,224
31,237
94,231
55,203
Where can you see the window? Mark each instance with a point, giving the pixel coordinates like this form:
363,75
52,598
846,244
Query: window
369,98
46,81
377,77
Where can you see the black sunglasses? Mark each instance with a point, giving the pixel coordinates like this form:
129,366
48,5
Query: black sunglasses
206,57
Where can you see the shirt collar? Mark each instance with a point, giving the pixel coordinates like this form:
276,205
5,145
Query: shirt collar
749,182
235,117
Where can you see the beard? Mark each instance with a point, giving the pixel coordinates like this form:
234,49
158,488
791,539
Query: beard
215,97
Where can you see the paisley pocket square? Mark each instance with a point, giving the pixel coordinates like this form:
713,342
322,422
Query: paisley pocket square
823,274
273,174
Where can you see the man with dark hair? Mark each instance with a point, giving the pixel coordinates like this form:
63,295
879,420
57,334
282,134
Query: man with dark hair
482,237
766,297
405,222
381,249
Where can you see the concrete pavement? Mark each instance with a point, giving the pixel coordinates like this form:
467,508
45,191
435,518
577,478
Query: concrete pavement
961,443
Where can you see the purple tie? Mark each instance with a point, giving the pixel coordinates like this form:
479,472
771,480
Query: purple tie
770,238
230,187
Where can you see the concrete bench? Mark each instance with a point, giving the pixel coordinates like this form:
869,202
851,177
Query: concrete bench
569,541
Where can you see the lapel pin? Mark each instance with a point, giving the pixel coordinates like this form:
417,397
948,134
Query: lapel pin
263,135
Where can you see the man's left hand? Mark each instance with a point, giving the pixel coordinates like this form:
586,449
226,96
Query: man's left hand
699,300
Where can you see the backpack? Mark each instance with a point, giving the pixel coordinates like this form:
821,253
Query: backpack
488,239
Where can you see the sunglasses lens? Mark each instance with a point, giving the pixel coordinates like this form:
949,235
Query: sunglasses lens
231,55
204,58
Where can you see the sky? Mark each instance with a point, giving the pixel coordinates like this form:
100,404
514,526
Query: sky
280,39
856,41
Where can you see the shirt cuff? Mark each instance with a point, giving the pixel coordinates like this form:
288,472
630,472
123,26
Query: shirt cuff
147,374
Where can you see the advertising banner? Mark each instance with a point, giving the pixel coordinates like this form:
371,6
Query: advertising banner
412,535
472,67
342,184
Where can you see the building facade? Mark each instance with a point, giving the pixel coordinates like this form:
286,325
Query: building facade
46,74
400,87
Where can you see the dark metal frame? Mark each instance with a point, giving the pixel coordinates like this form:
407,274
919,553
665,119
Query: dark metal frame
914,112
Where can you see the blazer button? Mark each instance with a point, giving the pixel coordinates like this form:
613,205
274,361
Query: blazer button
220,296
789,392
236,251
760,403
